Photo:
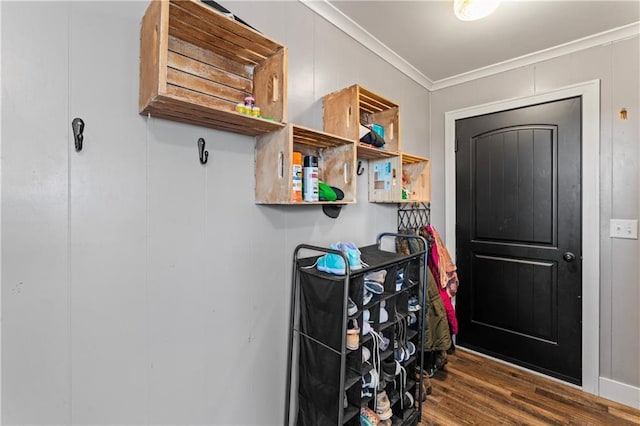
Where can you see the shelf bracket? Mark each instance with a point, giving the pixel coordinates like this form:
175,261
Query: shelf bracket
332,210
204,155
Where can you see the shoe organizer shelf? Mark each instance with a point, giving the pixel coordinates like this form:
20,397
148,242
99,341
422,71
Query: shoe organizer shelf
330,377
273,163
388,176
197,64
346,109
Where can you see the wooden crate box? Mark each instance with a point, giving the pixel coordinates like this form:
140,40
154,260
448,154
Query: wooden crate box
196,65
385,180
346,109
417,172
274,168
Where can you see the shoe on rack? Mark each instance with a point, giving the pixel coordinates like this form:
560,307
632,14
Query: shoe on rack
352,308
399,280
366,328
399,353
366,354
331,263
383,406
384,343
368,417
407,400
390,369
370,380
367,297
366,315
353,254
412,319
413,304
374,287
411,348
376,276
353,336
384,315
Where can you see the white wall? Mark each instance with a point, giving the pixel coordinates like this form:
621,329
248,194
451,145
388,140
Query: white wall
137,285
617,66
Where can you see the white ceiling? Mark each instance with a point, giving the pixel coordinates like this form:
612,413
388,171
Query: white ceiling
436,47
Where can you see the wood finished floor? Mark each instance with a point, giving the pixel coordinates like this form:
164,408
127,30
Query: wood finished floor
474,390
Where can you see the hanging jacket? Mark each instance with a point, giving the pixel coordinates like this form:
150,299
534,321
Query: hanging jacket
437,335
446,267
432,261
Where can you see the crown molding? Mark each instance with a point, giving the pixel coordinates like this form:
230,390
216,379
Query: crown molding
333,15
594,40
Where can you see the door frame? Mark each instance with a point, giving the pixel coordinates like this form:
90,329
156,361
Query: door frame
590,93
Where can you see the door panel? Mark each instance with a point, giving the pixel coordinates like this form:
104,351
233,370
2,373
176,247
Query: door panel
529,306
514,186
518,211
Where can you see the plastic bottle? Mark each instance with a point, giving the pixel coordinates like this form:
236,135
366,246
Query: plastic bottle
296,170
310,178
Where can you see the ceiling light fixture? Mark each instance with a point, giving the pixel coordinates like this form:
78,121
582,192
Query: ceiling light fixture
470,10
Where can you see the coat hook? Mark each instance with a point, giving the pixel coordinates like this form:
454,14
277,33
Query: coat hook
77,125
204,155
360,168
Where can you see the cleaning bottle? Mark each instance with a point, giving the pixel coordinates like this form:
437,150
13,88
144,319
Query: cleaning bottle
296,170
310,178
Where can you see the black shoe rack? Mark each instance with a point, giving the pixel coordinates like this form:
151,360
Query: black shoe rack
324,376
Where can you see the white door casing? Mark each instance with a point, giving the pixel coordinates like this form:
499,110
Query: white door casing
590,93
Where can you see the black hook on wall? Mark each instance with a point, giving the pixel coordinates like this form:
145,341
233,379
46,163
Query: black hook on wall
204,155
360,169
77,125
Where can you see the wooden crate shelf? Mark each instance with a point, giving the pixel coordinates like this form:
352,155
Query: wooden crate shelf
385,183
196,64
346,109
417,170
273,163
386,179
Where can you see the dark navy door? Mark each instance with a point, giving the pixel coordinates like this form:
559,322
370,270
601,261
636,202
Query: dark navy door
518,239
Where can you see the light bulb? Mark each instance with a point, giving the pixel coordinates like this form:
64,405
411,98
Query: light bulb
470,10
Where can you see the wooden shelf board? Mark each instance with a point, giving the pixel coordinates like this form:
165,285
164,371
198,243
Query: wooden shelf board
317,138
307,203
188,112
412,159
376,102
369,152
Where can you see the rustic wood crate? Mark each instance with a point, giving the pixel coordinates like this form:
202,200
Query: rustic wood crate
273,163
385,180
197,64
417,170
346,109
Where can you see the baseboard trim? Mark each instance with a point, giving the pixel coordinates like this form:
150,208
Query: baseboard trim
620,392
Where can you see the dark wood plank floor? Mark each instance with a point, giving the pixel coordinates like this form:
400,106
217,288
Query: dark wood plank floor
473,390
